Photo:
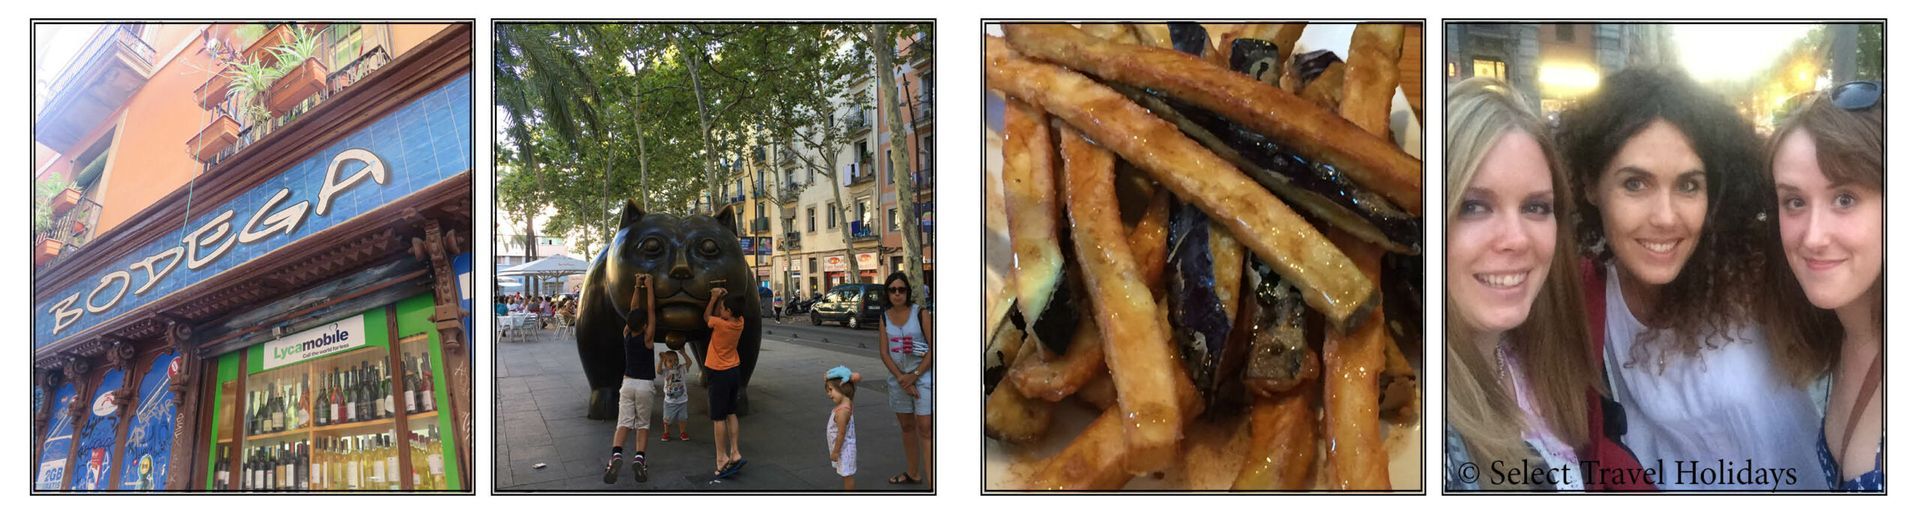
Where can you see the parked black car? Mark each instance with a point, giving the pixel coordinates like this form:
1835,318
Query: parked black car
853,305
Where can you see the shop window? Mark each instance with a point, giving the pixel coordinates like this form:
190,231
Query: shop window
363,417
94,457
57,444
149,451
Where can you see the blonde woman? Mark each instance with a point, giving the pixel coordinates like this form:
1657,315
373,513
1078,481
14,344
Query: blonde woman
1521,408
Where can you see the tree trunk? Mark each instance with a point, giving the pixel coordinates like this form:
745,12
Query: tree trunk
639,134
905,196
706,124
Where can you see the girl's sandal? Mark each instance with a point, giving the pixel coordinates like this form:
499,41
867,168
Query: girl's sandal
903,479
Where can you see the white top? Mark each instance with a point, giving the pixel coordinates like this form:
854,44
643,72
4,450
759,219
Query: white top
1725,404
1557,454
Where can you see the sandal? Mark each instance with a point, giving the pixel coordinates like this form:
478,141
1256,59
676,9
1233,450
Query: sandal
732,468
903,479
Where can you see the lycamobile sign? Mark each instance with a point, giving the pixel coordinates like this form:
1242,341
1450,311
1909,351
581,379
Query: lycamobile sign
423,143
321,341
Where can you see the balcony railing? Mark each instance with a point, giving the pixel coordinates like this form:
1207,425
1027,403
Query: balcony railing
73,229
737,198
861,172
923,109
863,230
791,241
923,180
790,193
762,225
253,130
858,122
102,77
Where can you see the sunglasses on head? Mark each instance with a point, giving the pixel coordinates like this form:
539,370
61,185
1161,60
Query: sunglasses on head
900,290
1857,95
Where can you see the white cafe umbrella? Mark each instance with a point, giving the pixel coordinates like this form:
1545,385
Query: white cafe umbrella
553,266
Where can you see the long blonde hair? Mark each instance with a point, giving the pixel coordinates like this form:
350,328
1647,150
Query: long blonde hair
1553,344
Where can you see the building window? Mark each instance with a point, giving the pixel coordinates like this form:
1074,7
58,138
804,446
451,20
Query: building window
889,164
860,209
1484,67
893,218
1563,32
926,153
833,214
897,261
813,265
346,43
809,218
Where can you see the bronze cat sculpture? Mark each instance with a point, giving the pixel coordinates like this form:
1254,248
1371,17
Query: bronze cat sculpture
687,256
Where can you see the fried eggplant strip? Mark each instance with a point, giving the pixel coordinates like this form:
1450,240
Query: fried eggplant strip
1098,392
1280,457
1373,71
1033,216
1156,35
1373,162
1149,241
1014,418
1257,219
1097,458
1327,89
1357,456
1399,387
1057,378
1115,32
1138,350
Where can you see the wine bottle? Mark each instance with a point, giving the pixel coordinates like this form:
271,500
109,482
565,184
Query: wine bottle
426,383
436,467
407,383
301,392
220,471
276,419
391,453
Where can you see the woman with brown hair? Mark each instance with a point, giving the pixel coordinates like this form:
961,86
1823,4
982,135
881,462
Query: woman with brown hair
1658,163
1520,377
1827,164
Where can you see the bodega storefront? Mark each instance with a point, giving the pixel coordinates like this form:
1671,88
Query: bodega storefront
296,318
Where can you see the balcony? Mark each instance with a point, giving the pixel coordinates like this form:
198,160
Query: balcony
861,172
103,75
790,193
923,110
863,231
762,224
253,126
857,123
68,232
790,242
923,181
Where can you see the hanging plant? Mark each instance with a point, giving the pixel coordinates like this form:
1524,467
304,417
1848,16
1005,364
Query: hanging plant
251,80
301,75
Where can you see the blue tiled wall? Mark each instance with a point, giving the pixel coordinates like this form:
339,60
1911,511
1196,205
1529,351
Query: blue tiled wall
424,142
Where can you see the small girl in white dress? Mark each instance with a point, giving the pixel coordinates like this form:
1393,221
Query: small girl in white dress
841,450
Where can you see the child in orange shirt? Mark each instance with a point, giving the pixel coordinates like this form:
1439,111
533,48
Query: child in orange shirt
723,381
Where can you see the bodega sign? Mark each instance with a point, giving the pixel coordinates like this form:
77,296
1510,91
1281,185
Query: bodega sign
425,142
321,341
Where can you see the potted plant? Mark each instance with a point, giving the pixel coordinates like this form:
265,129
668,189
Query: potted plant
251,80
58,196
260,39
301,74
214,138
215,90
45,249
46,192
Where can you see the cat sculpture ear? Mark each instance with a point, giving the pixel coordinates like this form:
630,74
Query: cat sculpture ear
630,215
725,217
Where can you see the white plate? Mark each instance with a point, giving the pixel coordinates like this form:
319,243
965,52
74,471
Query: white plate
1007,464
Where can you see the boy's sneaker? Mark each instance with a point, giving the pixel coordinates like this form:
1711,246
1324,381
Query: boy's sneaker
683,436
613,470
640,469
663,437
